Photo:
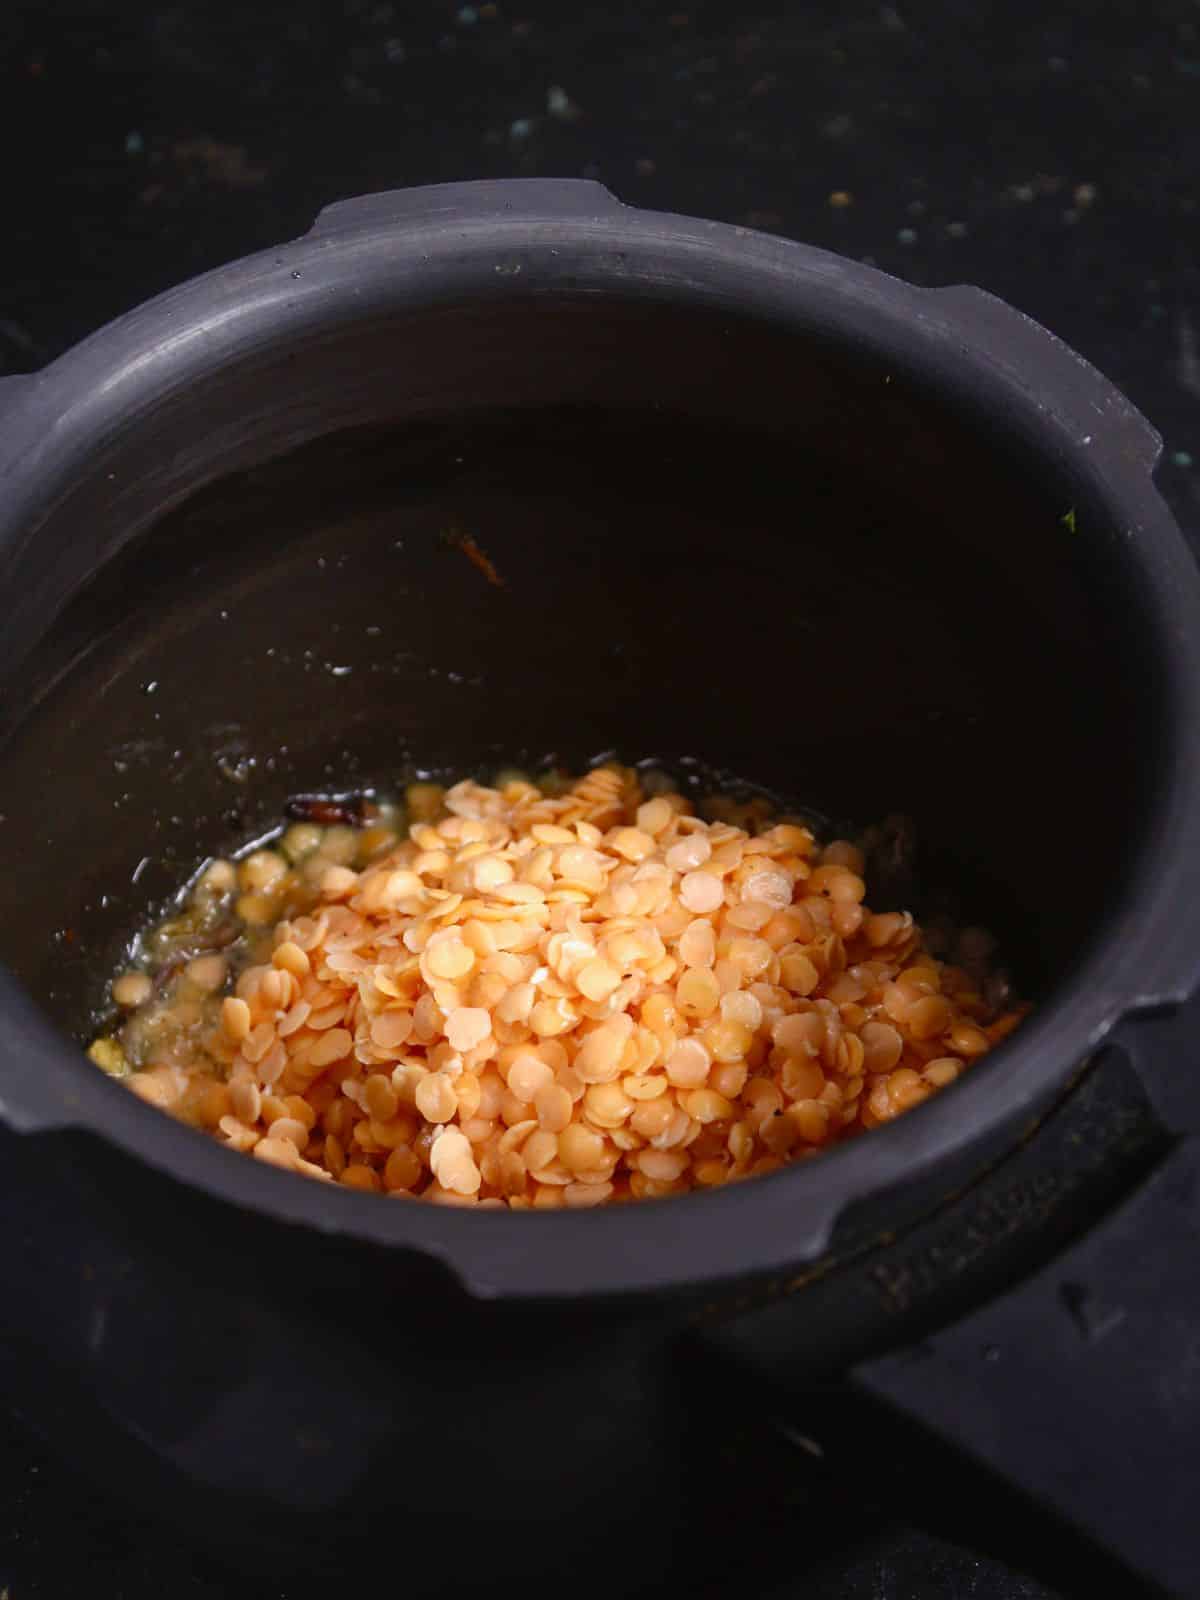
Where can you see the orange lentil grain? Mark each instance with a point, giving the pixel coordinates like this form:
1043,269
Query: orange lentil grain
561,998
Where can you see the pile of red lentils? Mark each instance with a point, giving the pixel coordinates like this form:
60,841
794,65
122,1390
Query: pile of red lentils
544,1000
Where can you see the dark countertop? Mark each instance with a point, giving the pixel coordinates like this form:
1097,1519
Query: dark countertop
1052,157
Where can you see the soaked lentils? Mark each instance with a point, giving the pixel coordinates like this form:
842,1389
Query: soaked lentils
547,999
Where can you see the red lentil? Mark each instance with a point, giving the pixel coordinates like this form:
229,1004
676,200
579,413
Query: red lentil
543,1000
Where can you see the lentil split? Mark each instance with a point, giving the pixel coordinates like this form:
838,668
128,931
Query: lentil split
547,999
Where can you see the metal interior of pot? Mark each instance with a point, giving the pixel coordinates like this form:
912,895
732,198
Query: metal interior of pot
710,537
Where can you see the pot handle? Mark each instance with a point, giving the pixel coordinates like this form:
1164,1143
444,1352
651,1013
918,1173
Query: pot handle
484,197
1081,1385
1092,407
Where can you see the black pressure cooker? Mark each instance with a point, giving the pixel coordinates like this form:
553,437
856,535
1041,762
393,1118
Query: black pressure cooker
878,548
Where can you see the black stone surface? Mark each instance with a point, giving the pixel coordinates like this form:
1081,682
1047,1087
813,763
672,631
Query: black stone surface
1051,155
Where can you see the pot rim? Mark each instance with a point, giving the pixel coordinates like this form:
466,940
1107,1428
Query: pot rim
418,247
